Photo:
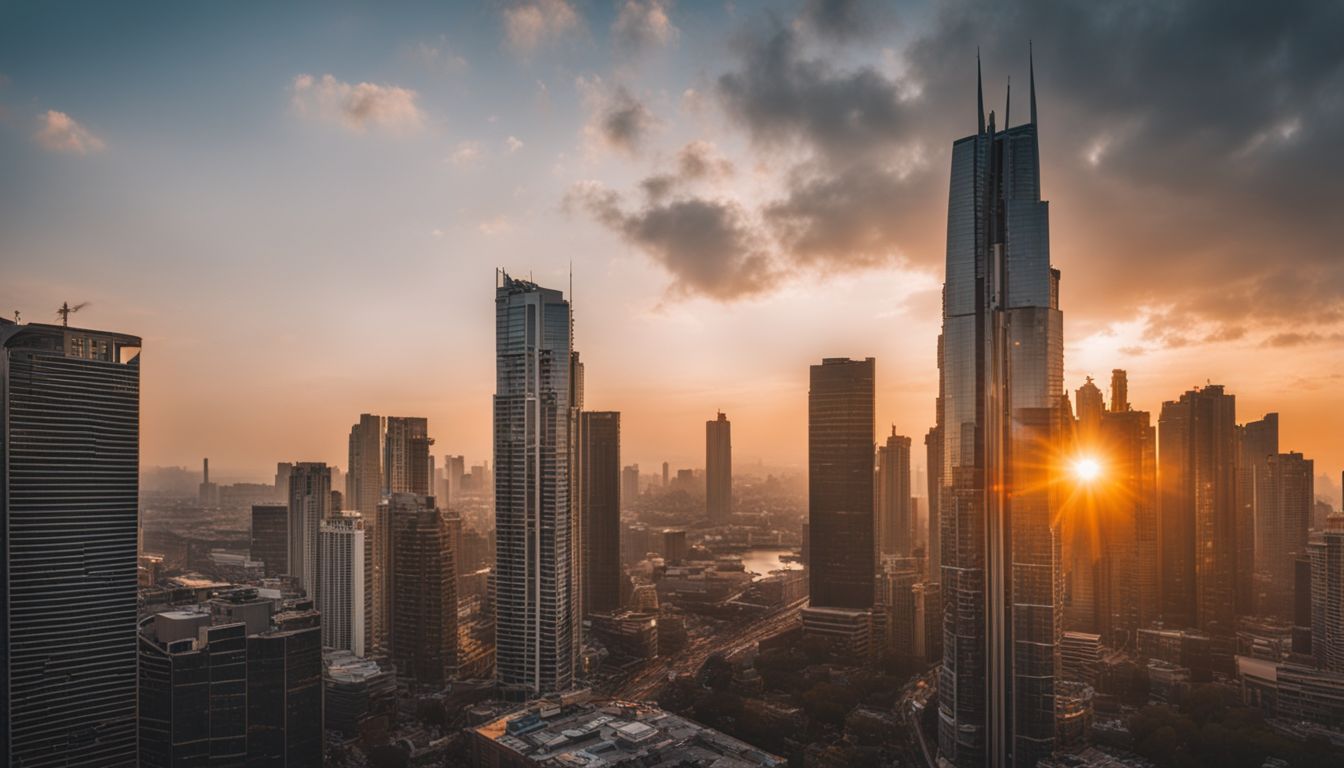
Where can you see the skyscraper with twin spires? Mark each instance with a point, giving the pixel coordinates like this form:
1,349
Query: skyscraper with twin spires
1000,416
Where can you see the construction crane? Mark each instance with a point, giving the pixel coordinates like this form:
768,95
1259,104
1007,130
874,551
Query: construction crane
66,310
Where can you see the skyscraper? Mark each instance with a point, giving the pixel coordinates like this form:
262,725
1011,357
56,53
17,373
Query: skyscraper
193,691
1326,554
719,469
629,484
895,524
69,455
600,491
1080,543
1292,477
1127,525
1197,471
424,592
1000,413
342,584
406,455
364,474
270,537
1257,516
309,505
840,446
933,456
535,606
284,692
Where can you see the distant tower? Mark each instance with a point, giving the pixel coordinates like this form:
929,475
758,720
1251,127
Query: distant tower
895,523
406,455
535,604
601,502
1119,391
719,469
270,537
840,406
309,505
70,450
666,470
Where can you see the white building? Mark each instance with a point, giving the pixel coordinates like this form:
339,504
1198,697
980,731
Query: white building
342,584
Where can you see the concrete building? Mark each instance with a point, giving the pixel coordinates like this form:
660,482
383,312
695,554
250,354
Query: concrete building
840,483
270,537
1326,554
309,505
70,450
284,692
600,500
424,593
342,592
719,469
406,455
894,518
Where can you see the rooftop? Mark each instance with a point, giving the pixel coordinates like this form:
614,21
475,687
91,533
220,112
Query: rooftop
602,733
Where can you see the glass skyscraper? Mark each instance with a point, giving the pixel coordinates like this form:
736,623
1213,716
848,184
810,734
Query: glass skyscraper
1000,414
69,456
534,526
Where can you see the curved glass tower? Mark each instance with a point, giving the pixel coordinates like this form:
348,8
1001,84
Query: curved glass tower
999,415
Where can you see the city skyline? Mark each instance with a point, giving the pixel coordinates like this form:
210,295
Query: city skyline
528,141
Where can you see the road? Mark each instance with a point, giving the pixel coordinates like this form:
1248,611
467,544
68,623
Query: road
644,684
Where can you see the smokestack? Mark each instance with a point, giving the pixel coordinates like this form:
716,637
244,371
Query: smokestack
205,469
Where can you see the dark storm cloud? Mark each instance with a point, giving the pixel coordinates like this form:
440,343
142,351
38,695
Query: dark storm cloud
709,246
696,161
843,20
625,121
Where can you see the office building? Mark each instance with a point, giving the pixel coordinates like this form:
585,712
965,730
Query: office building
894,516
193,691
1292,481
535,604
630,484
1127,524
70,451
284,691
933,456
406,455
309,505
1199,517
719,469
1325,550
342,603
270,537
424,593
1257,444
600,499
840,448
1001,415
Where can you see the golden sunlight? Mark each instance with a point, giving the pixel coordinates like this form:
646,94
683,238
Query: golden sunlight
1086,469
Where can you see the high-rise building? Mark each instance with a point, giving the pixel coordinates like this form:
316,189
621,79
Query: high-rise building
578,522
666,470
455,470
1257,443
207,495
270,537
364,474
840,406
342,584
535,605
406,455
1080,542
894,516
719,469
309,505
1127,524
1325,552
1293,496
600,499
1119,391
1001,416
1197,471
284,692
424,592
282,470
193,691
70,450
933,455
630,484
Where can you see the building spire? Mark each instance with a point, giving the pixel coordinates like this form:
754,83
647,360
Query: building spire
1008,105
979,91
1031,66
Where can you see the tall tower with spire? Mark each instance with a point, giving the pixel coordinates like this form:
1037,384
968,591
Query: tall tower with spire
1000,410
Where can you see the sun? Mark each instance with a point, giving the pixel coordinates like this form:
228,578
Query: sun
1086,469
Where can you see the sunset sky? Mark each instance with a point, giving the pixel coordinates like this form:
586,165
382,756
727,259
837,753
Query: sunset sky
301,207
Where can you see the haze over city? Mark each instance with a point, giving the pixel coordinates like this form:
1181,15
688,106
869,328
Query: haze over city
300,209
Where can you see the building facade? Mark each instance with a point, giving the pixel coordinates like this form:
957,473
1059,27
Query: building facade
309,505
342,605
535,604
840,404
719,469
600,499
424,594
1001,417
895,523
270,537
69,469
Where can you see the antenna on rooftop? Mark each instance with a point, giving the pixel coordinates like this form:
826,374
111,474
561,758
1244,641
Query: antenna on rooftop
66,310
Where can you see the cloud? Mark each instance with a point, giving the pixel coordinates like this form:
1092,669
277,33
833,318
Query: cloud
529,23
709,247
465,153
357,106
845,20
59,132
641,25
513,144
1297,339
438,58
698,160
618,119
